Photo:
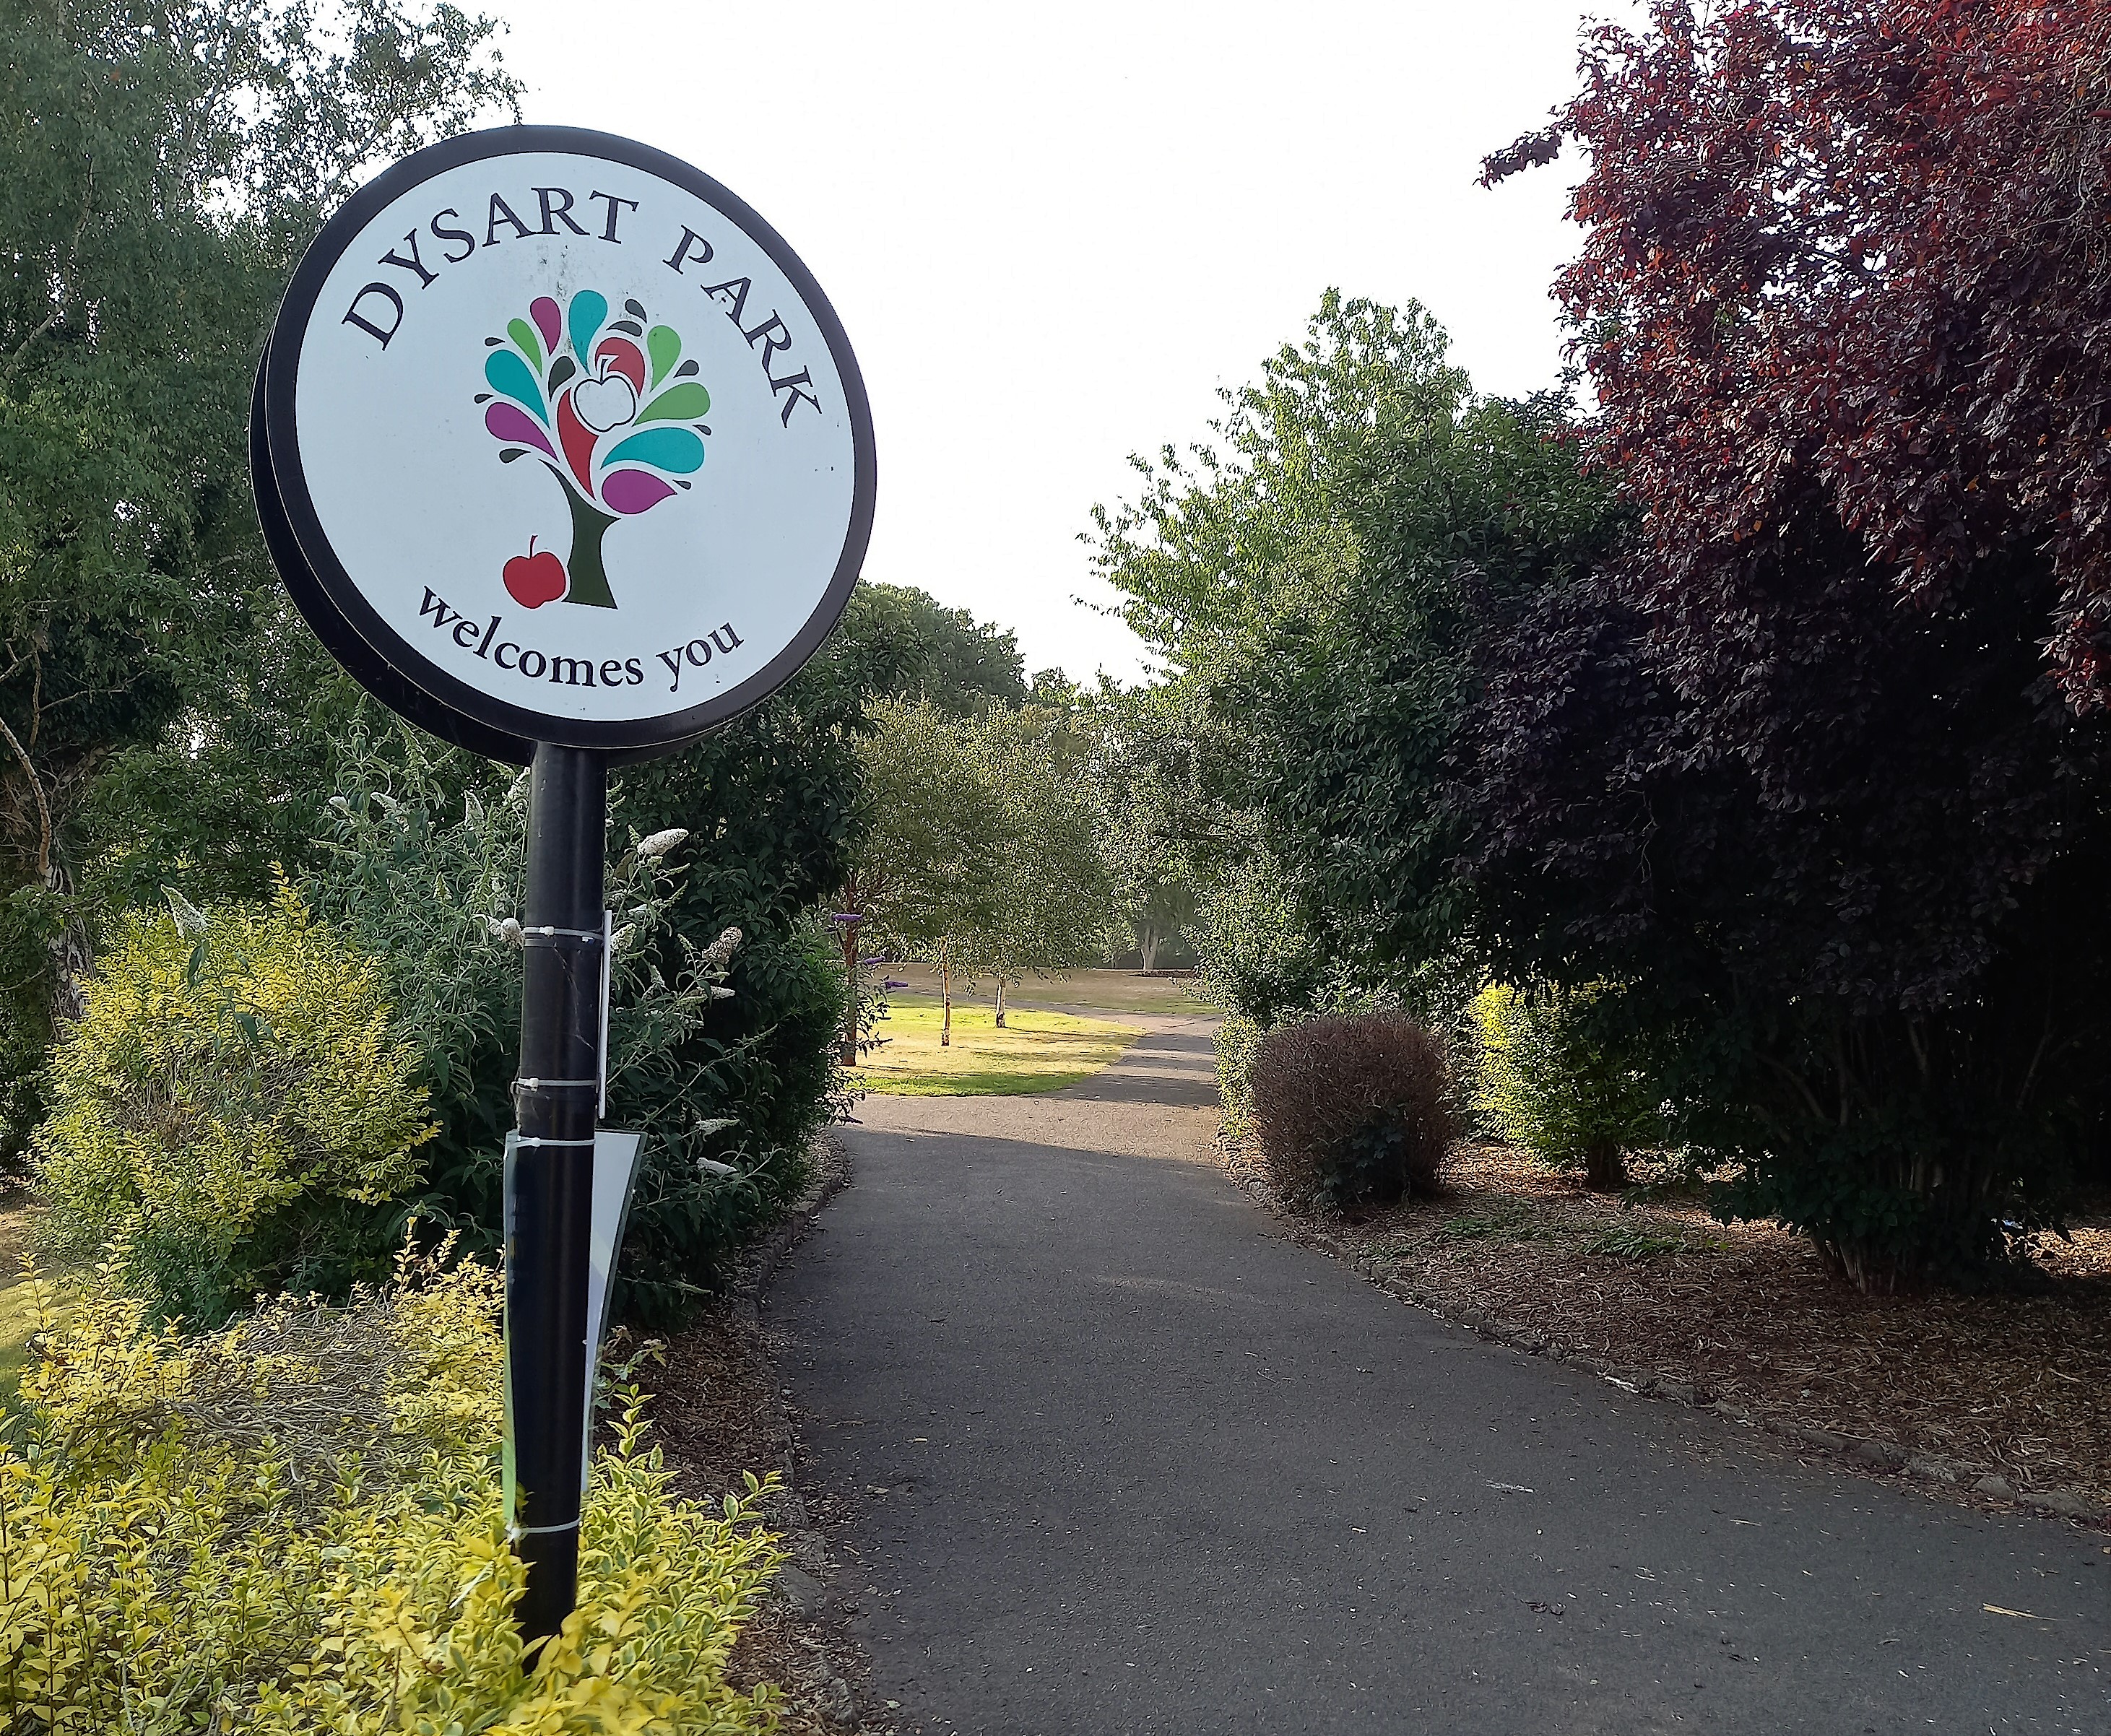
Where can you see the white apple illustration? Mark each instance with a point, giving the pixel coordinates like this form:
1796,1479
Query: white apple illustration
605,403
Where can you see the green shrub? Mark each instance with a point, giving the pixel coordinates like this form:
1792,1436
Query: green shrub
1236,1040
1547,1080
426,877
1352,1111
169,1563
1258,958
232,1095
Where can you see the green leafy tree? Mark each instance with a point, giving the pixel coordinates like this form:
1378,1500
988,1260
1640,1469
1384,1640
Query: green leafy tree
900,641
1054,898
1324,575
938,834
161,166
1168,832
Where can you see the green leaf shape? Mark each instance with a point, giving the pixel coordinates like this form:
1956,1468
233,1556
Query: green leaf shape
678,404
663,344
531,345
509,376
674,449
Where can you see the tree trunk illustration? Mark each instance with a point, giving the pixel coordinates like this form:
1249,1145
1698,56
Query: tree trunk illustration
589,581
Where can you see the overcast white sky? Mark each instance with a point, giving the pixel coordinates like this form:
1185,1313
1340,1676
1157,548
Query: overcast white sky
1051,233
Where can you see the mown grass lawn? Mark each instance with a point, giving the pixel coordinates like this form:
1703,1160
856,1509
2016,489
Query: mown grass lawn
1035,1051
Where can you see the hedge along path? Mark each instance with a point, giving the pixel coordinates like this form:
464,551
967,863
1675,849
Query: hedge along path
1127,1458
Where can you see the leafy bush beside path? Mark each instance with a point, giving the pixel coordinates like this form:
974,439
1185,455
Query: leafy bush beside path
293,1528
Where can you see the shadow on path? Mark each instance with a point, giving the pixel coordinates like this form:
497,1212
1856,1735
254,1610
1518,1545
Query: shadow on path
1152,1468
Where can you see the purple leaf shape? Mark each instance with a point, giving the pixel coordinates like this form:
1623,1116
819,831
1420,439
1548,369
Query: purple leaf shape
510,422
544,311
633,492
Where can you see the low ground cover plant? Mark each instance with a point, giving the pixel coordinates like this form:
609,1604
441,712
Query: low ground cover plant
1352,1110
294,1527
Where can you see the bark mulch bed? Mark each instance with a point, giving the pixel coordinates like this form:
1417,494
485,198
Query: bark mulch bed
2002,1398
720,1412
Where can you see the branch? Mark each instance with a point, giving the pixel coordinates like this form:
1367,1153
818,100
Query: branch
73,259
43,809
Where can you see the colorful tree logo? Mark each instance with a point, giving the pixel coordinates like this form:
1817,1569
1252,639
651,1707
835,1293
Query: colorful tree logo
595,391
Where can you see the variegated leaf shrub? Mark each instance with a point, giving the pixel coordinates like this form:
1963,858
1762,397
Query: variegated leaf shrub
172,1561
234,1085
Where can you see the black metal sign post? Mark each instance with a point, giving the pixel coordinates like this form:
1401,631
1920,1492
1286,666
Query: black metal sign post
478,443
556,1097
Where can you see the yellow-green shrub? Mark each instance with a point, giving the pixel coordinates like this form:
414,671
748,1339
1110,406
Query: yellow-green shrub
1547,1082
233,1085
162,1569
1236,1040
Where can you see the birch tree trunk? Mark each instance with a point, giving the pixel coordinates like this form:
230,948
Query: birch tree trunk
946,990
999,1000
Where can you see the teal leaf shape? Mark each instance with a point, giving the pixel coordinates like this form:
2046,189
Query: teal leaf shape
589,308
509,375
674,449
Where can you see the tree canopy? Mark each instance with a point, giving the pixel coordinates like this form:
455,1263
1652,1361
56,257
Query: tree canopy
161,166
1792,765
903,642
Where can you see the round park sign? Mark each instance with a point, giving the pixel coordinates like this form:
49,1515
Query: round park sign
558,441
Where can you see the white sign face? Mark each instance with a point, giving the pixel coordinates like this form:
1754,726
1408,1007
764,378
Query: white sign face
569,437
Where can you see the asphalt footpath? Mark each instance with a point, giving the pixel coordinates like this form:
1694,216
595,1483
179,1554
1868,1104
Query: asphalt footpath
1127,1461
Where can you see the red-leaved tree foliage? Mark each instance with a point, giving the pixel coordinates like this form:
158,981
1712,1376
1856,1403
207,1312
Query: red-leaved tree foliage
1862,248
1817,766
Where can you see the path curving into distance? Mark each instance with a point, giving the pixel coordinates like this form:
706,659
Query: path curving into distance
1152,1468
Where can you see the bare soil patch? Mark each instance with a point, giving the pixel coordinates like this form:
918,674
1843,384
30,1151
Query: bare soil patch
2001,1397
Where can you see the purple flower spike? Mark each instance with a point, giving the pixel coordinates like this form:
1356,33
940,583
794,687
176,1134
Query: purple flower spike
633,492
510,422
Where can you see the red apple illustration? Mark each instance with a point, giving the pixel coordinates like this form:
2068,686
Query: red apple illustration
535,579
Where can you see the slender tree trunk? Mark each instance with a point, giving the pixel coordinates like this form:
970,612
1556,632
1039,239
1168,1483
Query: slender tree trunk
999,1000
851,976
1605,1170
1146,946
946,990
72,955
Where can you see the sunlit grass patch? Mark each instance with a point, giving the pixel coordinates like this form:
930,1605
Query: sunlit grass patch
1035,1051
18,1314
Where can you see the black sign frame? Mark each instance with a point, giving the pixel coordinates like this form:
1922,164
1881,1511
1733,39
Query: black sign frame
389,666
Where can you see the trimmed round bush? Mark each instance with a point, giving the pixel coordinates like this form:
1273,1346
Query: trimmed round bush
1352,1111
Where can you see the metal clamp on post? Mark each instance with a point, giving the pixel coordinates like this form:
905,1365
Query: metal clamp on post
547,935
